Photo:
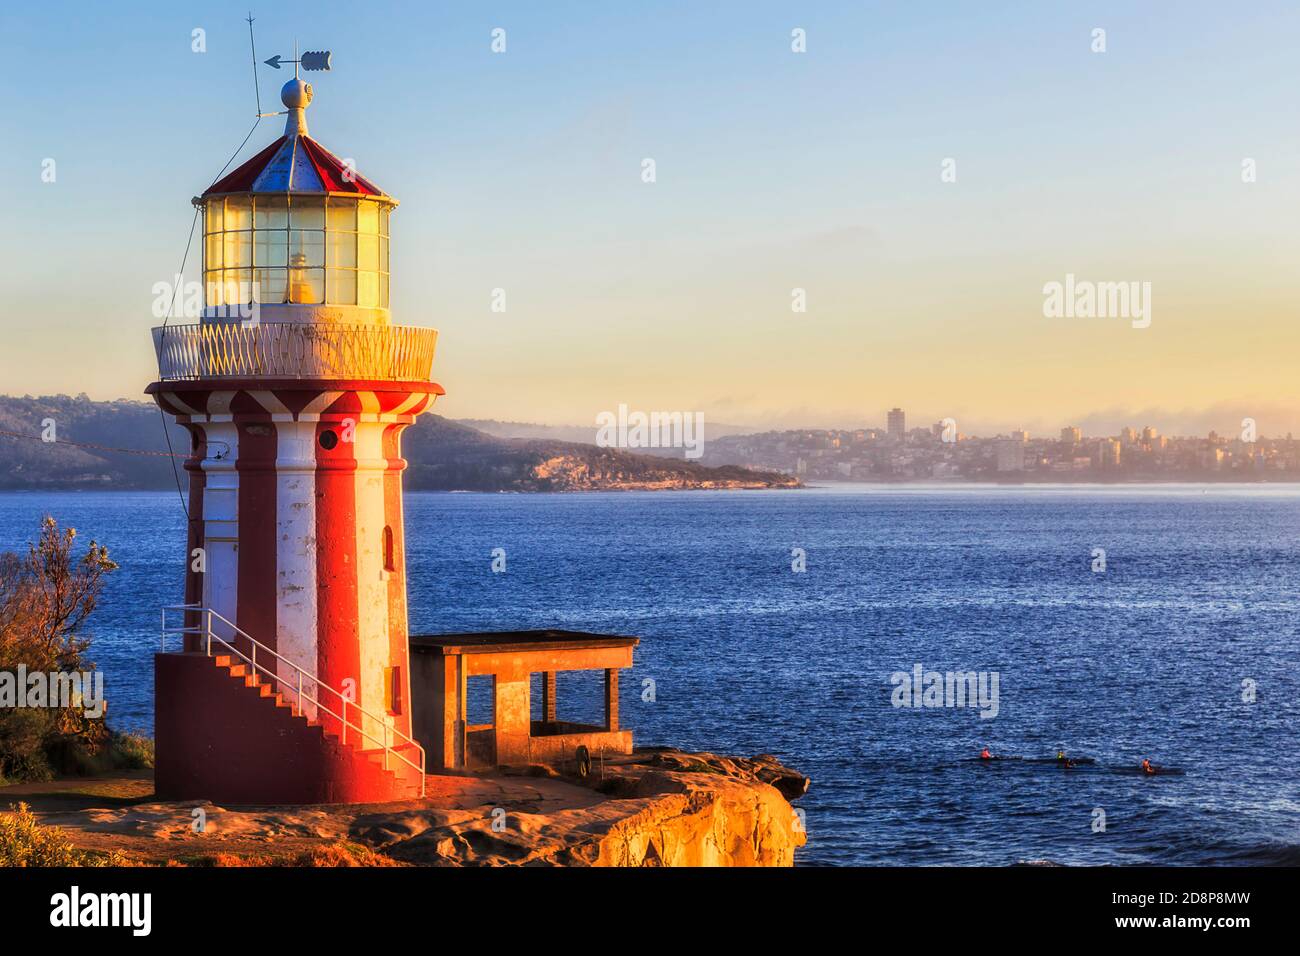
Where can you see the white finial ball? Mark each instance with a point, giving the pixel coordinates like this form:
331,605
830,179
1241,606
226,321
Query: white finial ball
295,94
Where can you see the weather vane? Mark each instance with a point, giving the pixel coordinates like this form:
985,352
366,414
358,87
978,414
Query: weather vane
311,61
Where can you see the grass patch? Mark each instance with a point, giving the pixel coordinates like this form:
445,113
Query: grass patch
339,853
24,842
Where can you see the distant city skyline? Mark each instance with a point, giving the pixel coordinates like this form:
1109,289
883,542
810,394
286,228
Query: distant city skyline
1102,425
940,452
1066,434
914,181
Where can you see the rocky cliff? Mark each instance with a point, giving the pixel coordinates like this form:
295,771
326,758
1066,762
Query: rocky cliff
658,807
661,807
447,456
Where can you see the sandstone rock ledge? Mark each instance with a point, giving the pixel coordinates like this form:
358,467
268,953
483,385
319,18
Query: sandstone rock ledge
693,810
657,807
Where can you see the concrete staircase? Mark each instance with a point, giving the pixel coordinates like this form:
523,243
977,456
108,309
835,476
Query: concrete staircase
403,779
224,734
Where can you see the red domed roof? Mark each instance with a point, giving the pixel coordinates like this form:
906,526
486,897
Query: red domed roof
295,164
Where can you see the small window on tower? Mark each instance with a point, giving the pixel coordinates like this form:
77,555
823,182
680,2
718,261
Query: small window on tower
393,690
390,562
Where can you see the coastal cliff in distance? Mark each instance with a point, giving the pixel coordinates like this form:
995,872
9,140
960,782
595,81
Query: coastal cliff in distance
446,456
442,455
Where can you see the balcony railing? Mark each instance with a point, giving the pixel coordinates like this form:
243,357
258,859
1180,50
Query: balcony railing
286,350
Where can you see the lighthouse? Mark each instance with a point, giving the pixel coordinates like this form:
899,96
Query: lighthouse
283,676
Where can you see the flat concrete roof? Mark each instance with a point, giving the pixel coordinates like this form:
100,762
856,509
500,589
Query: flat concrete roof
493,642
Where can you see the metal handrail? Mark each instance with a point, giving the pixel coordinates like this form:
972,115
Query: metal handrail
296,350
254,644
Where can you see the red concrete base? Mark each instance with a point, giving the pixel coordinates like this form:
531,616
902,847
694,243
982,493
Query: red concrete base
217,738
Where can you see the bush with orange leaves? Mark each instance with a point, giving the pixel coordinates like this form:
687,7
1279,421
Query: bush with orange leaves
46,597
24,842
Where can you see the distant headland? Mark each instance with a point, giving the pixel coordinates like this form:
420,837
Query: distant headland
61,442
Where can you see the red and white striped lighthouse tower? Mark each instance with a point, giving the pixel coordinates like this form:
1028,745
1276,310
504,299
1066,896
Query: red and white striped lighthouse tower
295,386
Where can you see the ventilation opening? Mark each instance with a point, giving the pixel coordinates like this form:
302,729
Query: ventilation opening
393,689
390,560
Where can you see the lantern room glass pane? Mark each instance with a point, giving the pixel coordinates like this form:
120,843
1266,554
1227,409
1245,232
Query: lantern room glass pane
368,290
307,286
272,284
306,248
368,217
383,254
238,286
342,215
383,290
239,213
270,248
342,249
213,291
212,252
305,213
342,287
368,252
238,249
271,213
212,223
383,220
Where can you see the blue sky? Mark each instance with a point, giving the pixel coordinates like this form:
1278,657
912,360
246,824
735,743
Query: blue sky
775,171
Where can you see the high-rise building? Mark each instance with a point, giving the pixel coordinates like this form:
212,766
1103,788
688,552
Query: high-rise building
897,424
1011,453
1108,454
1071,435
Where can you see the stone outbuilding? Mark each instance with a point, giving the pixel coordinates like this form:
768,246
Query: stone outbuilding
442,664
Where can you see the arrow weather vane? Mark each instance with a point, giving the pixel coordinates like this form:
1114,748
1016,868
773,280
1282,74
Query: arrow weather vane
311,60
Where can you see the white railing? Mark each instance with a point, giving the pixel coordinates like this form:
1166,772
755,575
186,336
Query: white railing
297,683
398,353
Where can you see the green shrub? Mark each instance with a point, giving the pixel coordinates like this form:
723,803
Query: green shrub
24,842
131,751
46,597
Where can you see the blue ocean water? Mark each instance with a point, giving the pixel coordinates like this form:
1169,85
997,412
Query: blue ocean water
1201,592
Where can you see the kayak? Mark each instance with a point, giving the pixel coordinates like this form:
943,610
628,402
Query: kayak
1072,762
1156,771
1075,761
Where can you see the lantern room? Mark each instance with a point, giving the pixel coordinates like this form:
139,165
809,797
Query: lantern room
297,230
